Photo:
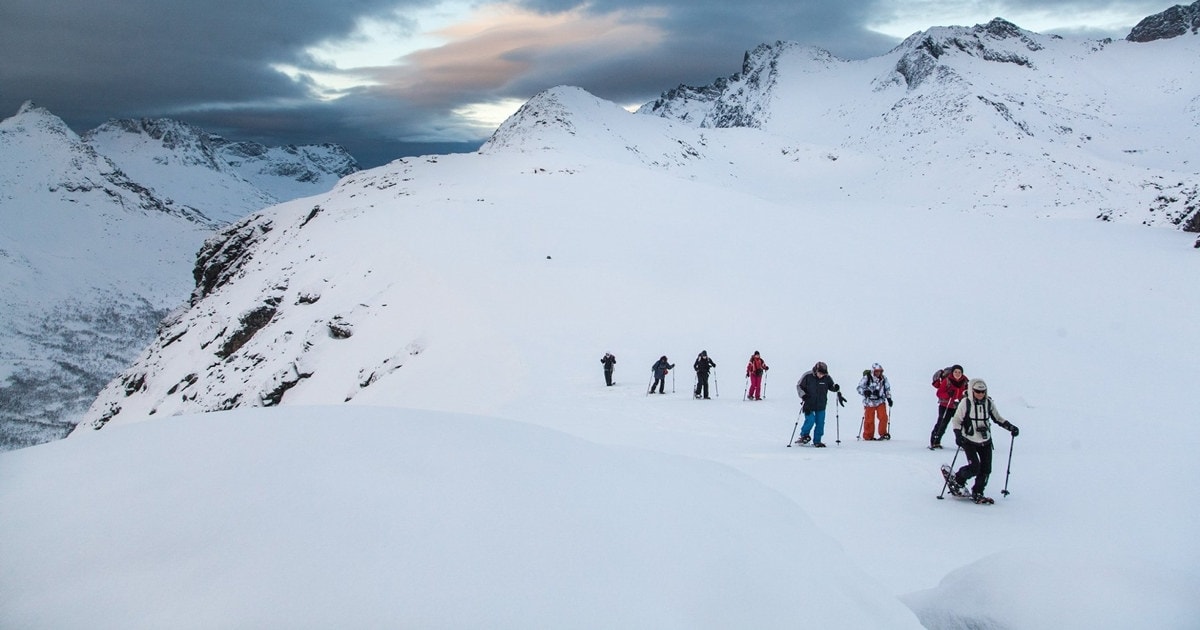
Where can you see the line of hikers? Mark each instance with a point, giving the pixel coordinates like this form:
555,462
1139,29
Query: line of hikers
969,417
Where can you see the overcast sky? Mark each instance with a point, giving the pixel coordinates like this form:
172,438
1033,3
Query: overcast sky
390,78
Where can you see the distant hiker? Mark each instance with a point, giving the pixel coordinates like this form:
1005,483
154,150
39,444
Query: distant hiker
660,368
972,424
702,365
814,388
609,361
875,390
755,370
951,386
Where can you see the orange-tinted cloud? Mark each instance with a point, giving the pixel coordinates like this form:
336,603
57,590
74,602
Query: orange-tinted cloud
500,44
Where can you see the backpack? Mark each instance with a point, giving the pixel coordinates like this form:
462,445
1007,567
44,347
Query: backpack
970,424
938,375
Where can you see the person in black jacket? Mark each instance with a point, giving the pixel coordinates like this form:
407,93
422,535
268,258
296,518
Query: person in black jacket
660,369
813,389
609,361
702,365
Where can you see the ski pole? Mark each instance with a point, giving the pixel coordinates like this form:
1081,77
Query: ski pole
1009,471
837,418
745,388
716,384
861,423
672,381
763,393
946,482
794,427
650,388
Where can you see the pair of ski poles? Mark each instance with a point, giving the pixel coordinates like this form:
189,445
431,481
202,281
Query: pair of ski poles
746,387
716,385
837,418
650,388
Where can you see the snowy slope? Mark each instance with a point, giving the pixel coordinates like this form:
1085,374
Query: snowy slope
97,242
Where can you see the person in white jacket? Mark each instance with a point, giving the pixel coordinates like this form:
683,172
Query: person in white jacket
972,424
876,391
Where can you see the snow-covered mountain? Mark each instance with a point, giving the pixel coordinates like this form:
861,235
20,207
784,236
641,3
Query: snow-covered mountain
98,236
1095,128
230,179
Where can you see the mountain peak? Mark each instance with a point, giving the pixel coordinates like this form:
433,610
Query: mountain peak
1176,21
549,113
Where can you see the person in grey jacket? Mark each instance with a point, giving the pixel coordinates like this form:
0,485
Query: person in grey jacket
972,424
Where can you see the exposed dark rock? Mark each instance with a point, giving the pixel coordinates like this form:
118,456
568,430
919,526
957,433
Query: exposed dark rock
339,328
273,393
311,215
1174,22
248,324
223,256
187,382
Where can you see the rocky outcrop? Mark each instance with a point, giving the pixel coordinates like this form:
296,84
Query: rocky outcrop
1174,22
224,255
997,41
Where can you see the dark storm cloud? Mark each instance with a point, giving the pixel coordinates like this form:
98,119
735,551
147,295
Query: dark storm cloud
88,60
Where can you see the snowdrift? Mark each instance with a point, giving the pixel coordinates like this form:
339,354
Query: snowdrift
367,517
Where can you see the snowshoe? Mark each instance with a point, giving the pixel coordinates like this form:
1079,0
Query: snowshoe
819,444
952,484
803,439
982,500
935,447
886,436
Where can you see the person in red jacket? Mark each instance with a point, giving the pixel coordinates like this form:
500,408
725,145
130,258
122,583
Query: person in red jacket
754,370
951,385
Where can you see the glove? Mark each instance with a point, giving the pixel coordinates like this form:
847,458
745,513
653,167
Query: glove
1012,428
889,401
959,439
841,400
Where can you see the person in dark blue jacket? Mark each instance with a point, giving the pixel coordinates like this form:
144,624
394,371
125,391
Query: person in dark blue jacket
813,389
660,369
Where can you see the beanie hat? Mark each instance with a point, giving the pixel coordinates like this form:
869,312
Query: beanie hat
876,366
